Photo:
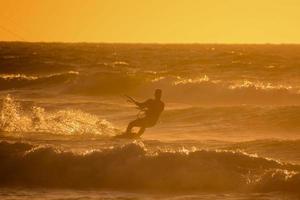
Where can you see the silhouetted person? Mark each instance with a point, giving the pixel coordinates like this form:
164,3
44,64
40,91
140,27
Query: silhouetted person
152,109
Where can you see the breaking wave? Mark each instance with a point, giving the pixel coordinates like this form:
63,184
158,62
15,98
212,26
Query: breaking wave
36,119
133,167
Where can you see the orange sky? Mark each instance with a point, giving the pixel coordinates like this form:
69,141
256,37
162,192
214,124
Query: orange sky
166,21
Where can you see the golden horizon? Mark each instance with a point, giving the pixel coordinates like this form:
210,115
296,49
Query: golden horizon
166,22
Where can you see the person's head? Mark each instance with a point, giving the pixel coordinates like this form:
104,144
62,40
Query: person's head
157,94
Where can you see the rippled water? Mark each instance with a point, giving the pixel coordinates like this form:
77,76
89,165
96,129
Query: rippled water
230,129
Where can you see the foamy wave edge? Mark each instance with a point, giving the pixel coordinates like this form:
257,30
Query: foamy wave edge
13,118
133,167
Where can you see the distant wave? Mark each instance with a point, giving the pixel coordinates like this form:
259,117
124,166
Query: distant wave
202,90
13,81
206,74
131,167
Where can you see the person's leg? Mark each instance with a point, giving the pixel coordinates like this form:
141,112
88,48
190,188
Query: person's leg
129,127
135,123
141,131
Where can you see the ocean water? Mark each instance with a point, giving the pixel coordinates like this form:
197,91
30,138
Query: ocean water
230,129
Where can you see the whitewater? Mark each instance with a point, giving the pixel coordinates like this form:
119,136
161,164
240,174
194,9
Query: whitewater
230,129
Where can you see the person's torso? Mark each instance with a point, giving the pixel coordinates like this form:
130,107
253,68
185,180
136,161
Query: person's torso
154,109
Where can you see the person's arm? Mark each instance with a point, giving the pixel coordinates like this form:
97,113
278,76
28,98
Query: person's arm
141,105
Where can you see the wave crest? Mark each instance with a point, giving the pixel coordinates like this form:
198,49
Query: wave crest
13,81
133,167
